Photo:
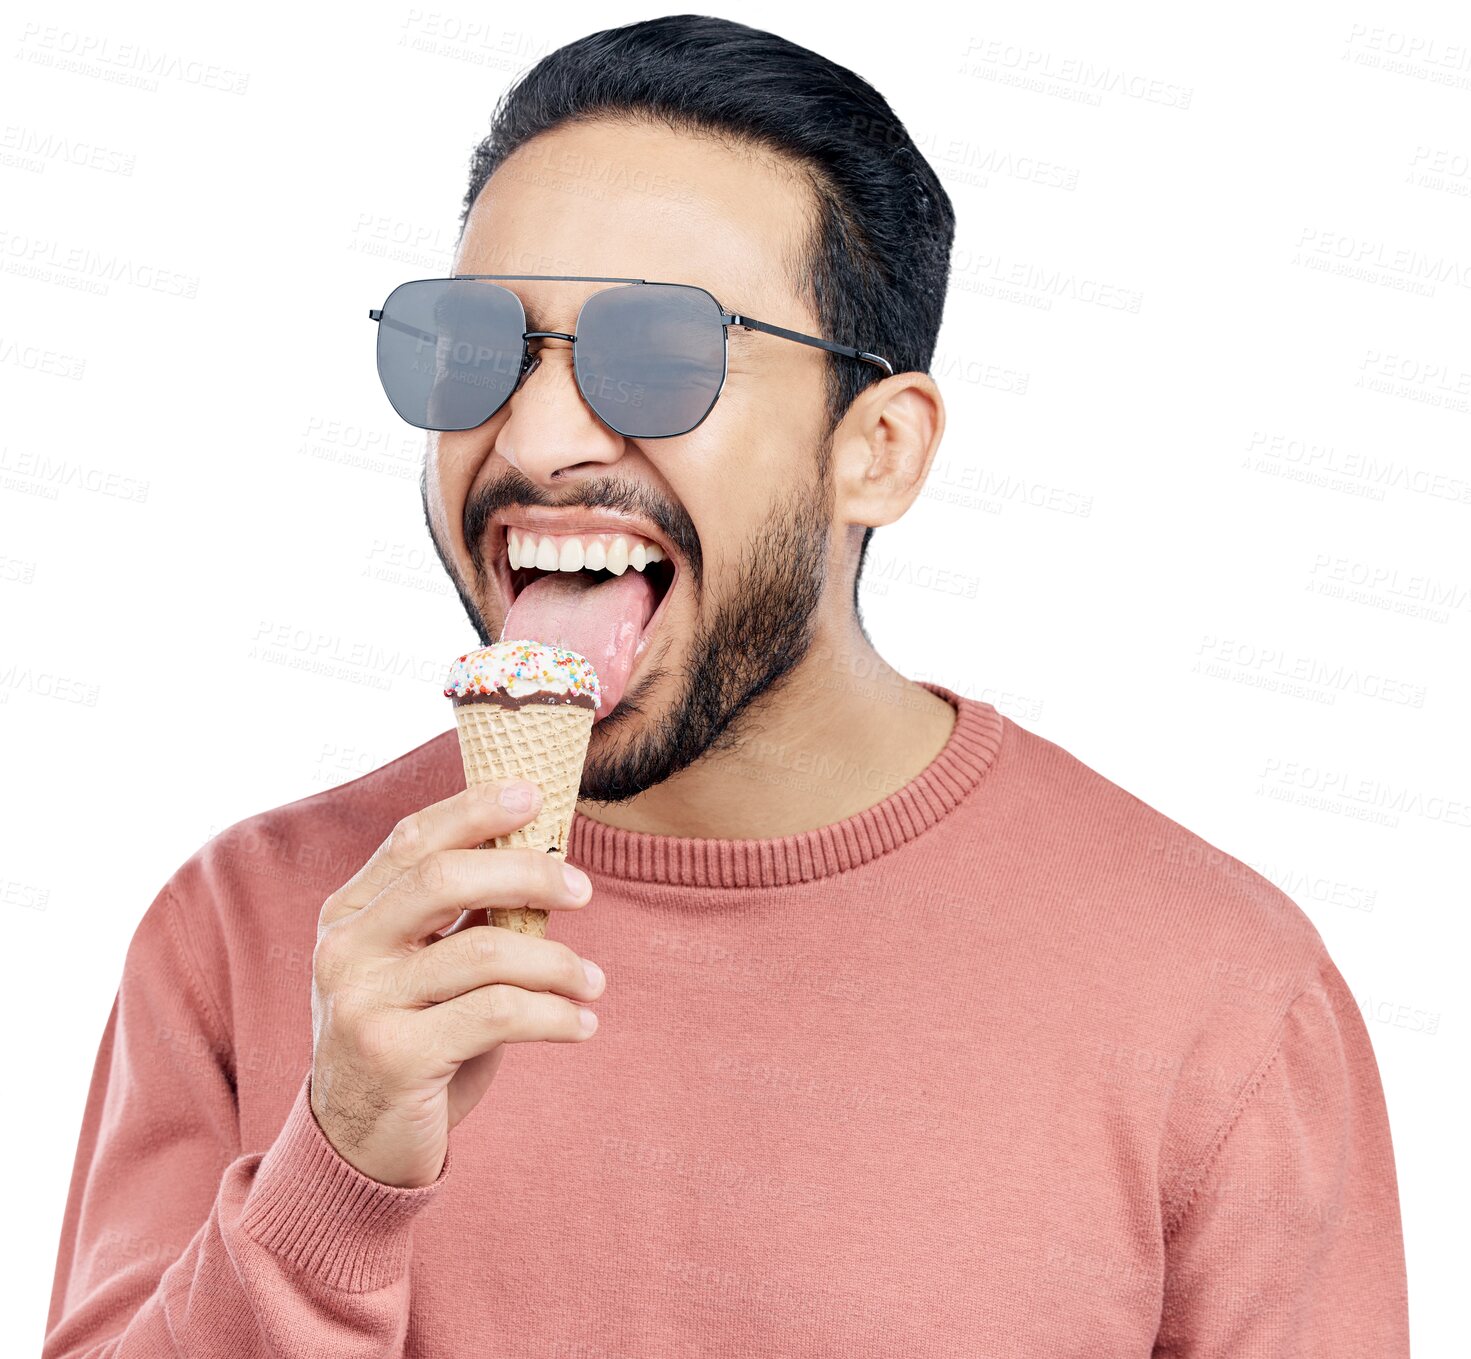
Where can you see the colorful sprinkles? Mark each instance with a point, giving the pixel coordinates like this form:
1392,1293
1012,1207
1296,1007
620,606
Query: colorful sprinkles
520,669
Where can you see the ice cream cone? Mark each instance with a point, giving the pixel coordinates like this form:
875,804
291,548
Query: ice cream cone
524,710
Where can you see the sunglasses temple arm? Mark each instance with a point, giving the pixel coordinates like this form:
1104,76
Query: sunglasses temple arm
382,320
876,359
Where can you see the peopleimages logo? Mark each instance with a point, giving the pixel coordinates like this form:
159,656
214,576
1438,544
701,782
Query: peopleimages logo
85,269
1362,796
121,63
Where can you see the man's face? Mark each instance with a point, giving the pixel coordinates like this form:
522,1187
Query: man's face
744,499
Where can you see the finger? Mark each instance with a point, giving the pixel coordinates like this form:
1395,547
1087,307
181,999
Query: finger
468,818
479,1020
482,955
431,894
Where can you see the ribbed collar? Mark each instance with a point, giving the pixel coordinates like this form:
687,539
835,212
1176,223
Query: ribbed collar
906,813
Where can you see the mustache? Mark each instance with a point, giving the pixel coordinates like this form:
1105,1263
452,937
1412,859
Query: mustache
515,490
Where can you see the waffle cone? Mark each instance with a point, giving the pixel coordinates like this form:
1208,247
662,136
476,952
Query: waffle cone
543,742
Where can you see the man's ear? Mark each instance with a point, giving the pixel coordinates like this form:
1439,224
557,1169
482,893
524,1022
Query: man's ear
883,448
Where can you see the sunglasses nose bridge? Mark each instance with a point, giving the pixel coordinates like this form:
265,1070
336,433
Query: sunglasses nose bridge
531,362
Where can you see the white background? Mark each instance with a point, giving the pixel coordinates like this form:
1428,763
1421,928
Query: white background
1212,541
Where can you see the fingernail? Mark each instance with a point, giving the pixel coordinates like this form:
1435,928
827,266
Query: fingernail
594,974
516,797
577,881
588,1020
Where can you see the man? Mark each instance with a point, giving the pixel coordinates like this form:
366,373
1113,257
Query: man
912,1035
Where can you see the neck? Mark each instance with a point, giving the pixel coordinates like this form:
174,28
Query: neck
843,731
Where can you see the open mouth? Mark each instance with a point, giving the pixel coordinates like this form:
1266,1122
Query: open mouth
661,575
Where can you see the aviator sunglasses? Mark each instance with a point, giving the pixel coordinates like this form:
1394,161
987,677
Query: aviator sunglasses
649,358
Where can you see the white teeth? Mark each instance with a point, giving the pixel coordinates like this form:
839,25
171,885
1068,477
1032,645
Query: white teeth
571,555
615,553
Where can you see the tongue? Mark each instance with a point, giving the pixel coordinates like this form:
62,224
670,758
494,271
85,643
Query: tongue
601,620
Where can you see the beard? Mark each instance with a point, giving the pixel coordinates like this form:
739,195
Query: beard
757,632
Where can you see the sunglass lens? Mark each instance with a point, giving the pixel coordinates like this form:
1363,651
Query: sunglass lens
650,357
449,351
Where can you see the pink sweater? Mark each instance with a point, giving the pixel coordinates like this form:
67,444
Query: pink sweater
1008,1064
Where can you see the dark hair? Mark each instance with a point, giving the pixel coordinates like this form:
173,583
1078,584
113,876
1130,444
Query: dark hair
876,268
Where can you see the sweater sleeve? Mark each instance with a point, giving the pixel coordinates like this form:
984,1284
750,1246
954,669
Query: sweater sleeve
1290,1242
176,1241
